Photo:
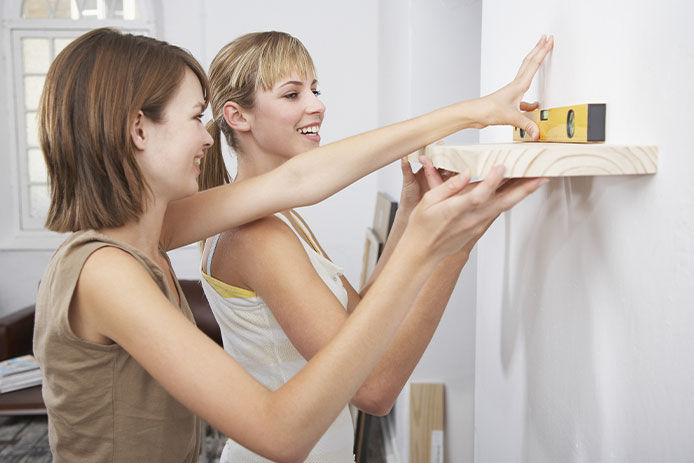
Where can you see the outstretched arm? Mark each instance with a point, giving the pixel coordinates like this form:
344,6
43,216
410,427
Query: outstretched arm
271,260
413,187
286,423
319,173
382,387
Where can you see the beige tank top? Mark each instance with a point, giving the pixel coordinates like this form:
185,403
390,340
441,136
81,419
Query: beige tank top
102,405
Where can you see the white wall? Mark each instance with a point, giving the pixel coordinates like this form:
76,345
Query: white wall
585,291
346,59
429,57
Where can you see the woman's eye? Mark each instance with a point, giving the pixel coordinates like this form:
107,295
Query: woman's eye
316,92
291,96
199,117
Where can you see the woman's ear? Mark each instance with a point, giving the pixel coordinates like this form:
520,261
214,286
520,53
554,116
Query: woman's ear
236,117
137,131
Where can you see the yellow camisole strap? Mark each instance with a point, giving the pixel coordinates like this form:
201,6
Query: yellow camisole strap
296,218
226,290
229,291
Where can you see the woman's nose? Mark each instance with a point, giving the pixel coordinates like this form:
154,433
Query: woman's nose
207,139
315,105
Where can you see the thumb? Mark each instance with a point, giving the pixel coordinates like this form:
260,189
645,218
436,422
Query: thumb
527,125
430,173
406,168
450,187
525,106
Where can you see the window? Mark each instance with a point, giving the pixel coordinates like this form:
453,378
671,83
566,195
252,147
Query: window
36,31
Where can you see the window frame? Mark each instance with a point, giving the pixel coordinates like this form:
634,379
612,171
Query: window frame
14,228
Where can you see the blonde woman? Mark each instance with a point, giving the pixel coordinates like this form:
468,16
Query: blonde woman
277,296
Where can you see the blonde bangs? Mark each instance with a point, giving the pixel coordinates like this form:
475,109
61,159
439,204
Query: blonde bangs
280,59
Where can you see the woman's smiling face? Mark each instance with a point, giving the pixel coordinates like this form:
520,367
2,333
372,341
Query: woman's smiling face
286,120
171,161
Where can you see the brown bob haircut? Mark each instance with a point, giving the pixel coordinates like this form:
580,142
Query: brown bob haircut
93,91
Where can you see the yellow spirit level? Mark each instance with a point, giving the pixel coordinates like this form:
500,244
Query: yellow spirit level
569,124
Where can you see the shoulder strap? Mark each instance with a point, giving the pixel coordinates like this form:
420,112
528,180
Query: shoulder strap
211,253
297,220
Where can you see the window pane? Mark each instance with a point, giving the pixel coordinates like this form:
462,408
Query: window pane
36,55
59,44
33,85
32,130
94,9
37,166
39,200
35,9
63,10
130,9
116,9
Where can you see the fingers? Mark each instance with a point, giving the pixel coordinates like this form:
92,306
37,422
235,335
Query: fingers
484,191
406,168
532,62
525,106
523,122
431,174
541,49
450,187
445,174
514,192
510,183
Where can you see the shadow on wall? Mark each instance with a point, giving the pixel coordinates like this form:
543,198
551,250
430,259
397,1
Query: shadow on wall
566,316
546,312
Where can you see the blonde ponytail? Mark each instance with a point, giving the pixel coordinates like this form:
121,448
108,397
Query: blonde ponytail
213,172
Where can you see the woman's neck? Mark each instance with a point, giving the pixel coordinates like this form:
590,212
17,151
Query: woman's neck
253,161
143,233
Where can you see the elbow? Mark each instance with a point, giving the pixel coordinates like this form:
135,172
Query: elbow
286,448
289,455
381,411
286,440
373,402
308,185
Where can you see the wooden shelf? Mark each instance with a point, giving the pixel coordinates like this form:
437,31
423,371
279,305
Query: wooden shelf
526,159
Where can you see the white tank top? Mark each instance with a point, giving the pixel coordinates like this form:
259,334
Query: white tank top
254,338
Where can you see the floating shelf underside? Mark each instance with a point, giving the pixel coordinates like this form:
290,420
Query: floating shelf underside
543,159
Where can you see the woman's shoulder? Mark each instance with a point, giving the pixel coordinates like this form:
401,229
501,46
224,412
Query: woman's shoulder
72,253
91,255
247,249
266,238
265,230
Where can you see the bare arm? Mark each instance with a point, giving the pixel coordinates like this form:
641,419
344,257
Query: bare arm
286,423
282,425
413,187
317,174
269,258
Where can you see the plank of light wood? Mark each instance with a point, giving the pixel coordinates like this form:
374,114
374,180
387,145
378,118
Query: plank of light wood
426,423
543,159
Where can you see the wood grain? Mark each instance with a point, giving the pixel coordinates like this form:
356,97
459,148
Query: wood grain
543,159
426,422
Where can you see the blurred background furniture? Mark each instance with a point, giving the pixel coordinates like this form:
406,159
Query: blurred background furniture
17,330
16,334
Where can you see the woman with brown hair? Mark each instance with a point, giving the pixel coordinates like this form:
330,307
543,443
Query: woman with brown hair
125,369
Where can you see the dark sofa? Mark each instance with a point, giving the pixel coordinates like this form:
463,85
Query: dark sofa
17,330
